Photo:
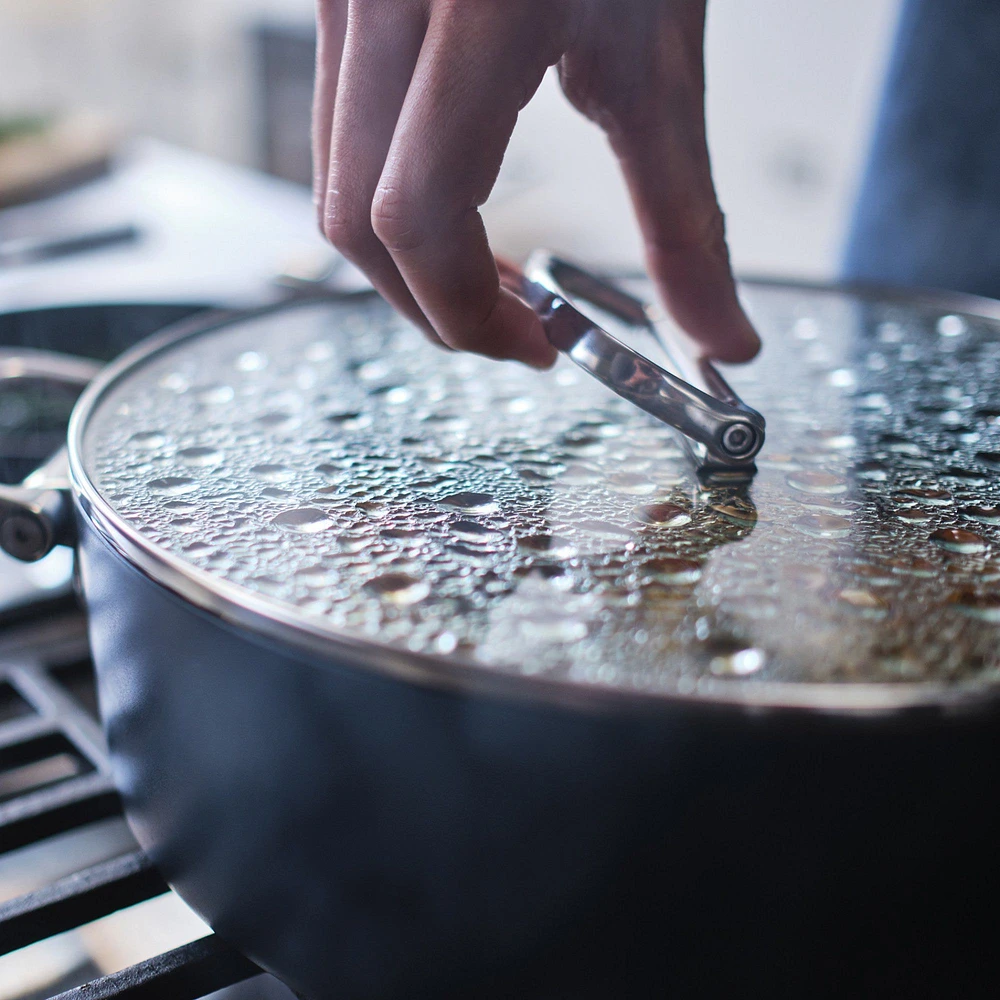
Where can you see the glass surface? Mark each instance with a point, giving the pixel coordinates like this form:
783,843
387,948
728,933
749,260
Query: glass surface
330,460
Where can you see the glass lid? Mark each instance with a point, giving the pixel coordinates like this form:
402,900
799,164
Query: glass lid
328,462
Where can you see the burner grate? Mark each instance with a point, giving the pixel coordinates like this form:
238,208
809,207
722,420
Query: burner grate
54,779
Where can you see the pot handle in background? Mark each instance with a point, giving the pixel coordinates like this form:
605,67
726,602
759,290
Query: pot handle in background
38,515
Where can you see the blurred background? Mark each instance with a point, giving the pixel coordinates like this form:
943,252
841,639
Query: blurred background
792,89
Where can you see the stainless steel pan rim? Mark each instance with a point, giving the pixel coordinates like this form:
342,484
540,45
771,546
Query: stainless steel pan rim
268,620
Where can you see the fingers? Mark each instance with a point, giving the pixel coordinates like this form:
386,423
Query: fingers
477,67
380,51
659,138
685,244
331,22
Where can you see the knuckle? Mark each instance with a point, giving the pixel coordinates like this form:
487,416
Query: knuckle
397,222
344,226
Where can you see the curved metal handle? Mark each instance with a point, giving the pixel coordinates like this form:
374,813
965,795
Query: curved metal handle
723,434
38,515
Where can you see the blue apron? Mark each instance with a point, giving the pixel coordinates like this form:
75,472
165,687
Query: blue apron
928,212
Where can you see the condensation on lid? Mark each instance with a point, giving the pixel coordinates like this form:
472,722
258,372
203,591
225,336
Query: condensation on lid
330,461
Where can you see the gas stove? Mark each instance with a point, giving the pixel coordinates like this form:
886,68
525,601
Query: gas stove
78,899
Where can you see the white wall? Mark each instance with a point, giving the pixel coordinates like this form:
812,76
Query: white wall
791,88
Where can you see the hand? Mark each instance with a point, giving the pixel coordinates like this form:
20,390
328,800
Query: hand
415,104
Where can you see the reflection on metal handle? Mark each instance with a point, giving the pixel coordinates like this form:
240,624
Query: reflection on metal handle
722,433
38,515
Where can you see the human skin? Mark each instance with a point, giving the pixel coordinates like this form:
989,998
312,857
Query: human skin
415,103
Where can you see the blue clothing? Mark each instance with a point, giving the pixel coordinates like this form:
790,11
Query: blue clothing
929,208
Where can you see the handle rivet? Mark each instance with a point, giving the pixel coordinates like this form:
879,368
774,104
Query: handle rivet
739,439
24,538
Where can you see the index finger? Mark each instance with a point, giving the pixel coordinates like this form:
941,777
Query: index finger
478,66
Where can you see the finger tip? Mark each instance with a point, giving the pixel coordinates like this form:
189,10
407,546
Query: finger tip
739,350
526,335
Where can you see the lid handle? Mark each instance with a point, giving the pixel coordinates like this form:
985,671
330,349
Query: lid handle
722,433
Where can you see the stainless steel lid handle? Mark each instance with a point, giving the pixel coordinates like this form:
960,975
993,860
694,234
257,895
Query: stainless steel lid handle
723,434
38,515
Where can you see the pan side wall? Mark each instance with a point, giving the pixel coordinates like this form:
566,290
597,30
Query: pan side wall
366,837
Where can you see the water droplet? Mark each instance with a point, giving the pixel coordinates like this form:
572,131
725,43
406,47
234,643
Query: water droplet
984,606
800,575
173,486
349,420
549,545
200,457
148,439
474,503
175,382
373,370
869,604
554,629
398,588
583,443
270,473
472,531
214,395
519,404
874,472
964,476
671,570
277,493
841,378
251,361
631,483
316,576
319,351
604,529
913,566
822,483
823,525
737,510
873,401
783,463
180,506
445,643
304,519
278,418
741,663
580,474
989,458
901,446
667,515
951,326
873,575
913,515
539,471
987,515
933,498
959,540
835,440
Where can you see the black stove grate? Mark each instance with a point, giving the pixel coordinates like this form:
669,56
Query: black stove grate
54,778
